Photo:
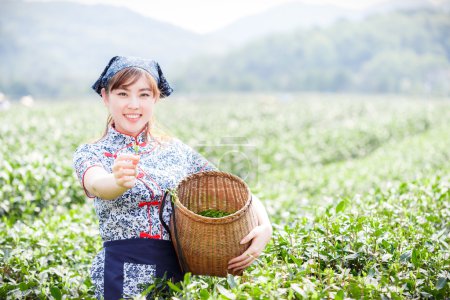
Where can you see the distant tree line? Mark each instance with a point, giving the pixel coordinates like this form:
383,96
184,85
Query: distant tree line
402,52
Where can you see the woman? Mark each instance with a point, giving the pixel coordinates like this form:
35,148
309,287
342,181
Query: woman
127,172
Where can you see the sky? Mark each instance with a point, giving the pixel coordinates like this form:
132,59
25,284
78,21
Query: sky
203,16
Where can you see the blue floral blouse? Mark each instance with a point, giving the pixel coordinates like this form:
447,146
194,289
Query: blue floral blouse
135,214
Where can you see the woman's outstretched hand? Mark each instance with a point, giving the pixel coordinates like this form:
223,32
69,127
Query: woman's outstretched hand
260,236
125,170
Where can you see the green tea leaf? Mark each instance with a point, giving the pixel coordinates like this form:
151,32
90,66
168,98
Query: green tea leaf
341,206
297,261
204,294
212,213
231,281
173,287
339,295
136,148
415,257
441,283
405,256
225,292
296,288
56,292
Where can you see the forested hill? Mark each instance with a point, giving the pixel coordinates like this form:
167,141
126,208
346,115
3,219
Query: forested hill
389,53
58,48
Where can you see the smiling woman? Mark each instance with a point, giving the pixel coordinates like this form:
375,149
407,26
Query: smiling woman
131,104
125,78
128,171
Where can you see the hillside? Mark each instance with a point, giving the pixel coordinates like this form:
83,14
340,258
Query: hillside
283,18
53,49
59,47
400,52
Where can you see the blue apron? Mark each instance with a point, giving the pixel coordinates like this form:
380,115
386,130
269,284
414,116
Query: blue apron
133,263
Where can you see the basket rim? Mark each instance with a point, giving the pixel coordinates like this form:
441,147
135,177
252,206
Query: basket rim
222,220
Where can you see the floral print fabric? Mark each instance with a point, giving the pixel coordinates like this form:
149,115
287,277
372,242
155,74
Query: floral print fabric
118,63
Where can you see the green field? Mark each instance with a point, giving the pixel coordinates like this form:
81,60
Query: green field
357,189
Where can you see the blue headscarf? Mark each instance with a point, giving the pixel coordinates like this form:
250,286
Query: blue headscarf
118,63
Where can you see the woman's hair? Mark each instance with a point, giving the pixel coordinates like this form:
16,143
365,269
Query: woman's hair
125,78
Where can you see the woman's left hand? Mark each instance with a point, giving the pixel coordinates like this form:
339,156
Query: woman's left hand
260,236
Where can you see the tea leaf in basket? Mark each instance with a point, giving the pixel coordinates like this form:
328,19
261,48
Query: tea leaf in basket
212,213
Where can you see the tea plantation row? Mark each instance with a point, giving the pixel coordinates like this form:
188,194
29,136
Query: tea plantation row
357,189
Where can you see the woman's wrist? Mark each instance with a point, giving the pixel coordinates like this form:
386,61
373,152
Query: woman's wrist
263,218
108,187
267,227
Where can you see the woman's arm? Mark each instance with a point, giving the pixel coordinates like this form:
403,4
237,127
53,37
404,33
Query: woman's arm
260,236
109,186
263,218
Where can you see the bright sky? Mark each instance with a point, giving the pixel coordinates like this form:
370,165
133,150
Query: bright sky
203,16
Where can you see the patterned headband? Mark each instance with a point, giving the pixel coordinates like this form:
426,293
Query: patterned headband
118,63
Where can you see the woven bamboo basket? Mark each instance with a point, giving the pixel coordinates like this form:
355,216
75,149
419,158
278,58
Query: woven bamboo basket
204,245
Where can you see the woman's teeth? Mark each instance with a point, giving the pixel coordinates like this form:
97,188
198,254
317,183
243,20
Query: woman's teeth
132,116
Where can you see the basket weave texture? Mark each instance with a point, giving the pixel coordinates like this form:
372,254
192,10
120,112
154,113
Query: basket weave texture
207,244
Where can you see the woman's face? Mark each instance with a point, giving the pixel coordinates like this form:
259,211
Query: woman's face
131,107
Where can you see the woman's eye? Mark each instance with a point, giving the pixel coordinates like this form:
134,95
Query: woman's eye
123,94
145,95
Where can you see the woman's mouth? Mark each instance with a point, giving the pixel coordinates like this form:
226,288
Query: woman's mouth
132,117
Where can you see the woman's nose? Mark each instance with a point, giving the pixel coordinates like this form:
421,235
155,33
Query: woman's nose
134,102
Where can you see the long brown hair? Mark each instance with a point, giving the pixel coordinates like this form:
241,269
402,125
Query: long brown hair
125,78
